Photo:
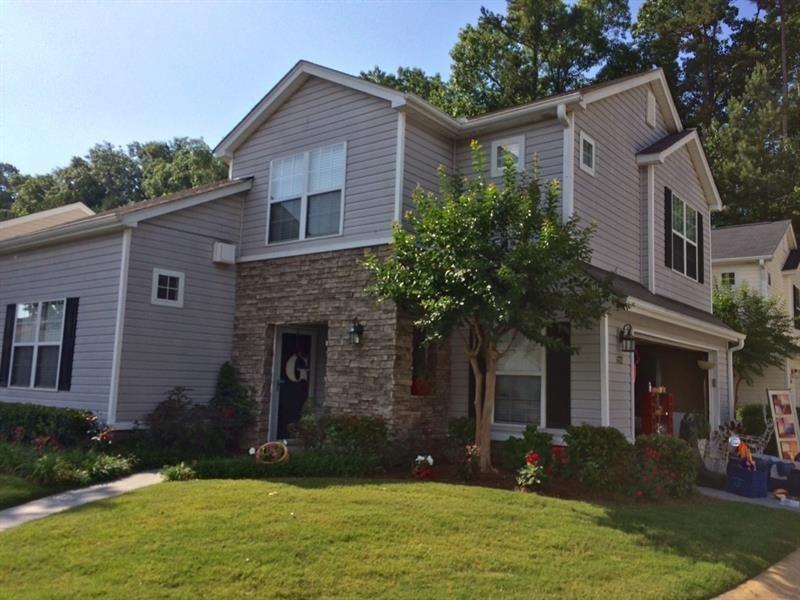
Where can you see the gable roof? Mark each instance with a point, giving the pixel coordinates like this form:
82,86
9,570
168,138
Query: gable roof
43,219
126,216
290,82
659,151
753,241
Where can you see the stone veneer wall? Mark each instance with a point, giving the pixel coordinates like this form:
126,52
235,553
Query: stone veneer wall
328,290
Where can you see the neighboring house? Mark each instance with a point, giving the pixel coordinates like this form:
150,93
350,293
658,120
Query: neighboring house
764,257
320,168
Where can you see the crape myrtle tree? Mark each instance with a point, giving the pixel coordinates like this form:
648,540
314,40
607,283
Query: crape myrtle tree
490,263
769,329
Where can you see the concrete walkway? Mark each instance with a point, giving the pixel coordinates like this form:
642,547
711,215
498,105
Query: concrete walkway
50,505
780,582
768,502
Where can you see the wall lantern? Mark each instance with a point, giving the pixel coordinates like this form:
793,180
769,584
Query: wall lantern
356,331
627,341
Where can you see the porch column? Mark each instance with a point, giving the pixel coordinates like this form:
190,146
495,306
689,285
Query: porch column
605,405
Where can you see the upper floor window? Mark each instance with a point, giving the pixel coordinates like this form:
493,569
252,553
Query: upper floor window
684,238
306,193
513,148
167,288
588,153
728,279
36,347
650,116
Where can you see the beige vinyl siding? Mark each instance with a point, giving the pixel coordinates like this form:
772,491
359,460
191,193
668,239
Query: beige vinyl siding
165,346
746,273
620,379
544,139
87,269
611,198
678,174
425,151
318,114
774,379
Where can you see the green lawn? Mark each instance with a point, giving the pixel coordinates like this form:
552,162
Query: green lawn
309,538
15,490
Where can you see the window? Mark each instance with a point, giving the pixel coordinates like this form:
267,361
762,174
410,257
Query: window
423,365
769,278
728,279
588,153
684,238
650,117
796,293
509,147
167,288
36,347
520,379
306,192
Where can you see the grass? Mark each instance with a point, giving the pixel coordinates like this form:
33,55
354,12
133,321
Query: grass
333,538
16,490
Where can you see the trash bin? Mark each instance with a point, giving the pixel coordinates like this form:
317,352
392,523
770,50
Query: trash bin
744,482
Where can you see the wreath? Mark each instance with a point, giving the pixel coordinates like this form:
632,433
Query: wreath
272,453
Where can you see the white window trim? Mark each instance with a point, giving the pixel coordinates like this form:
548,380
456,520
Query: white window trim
35,358
154,299
584,167
517,139
304,198
510,427
731,280
685,239
650,111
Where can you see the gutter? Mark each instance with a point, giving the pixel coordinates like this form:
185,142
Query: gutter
647,309
731,382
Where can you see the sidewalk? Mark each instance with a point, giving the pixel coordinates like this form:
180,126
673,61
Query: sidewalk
768,502
17,515
780,582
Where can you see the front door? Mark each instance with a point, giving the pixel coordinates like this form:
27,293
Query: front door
294,379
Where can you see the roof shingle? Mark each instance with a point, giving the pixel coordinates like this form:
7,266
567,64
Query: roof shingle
747,241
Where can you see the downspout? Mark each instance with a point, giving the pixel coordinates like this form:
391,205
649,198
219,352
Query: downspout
763,277
731,382
568,162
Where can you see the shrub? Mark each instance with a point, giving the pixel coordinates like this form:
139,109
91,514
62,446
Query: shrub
348,434
460,434
104,467
56,469
26,422
234,404
514,450
751,416
179,472
598,457
178,423
308,463
664,466
468,468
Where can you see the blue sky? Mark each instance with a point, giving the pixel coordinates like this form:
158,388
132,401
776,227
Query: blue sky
74,74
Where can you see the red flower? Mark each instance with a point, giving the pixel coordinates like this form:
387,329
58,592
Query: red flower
532,457
548,469
639,493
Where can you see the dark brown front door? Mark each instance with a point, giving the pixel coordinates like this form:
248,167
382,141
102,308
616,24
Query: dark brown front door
294,380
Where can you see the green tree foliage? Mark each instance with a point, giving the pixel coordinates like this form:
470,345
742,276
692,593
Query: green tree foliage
490,262
756,170
767,324
415,81
109,177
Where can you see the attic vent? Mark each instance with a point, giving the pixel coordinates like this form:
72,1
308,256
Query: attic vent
224,253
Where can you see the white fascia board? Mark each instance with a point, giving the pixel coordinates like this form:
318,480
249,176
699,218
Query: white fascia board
132,219
646,309
728,261
521,114
655,76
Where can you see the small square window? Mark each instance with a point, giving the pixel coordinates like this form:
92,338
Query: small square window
728,279
588,154
505,148
167,288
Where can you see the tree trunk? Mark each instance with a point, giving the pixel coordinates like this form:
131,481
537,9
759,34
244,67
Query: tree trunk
477,374
484,437
784,77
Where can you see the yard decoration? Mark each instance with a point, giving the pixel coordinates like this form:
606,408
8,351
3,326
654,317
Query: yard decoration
786,430
271,453
491,261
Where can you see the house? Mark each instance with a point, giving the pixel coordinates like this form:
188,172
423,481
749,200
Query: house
265,268
766,258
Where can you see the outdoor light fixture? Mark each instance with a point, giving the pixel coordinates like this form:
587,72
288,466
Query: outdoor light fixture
356,331
627,341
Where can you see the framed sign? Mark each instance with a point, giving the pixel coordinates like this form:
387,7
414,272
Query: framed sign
786,430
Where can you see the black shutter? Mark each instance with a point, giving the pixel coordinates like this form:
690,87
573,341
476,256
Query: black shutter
68,344
701,264
8,338
559,397
796,307
668,227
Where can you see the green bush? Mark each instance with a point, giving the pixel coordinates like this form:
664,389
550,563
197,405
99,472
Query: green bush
104,467
460,434
598,457
751,416
308,463
664,466
366,437
26,422
179,472
57,469
234,405
513,450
